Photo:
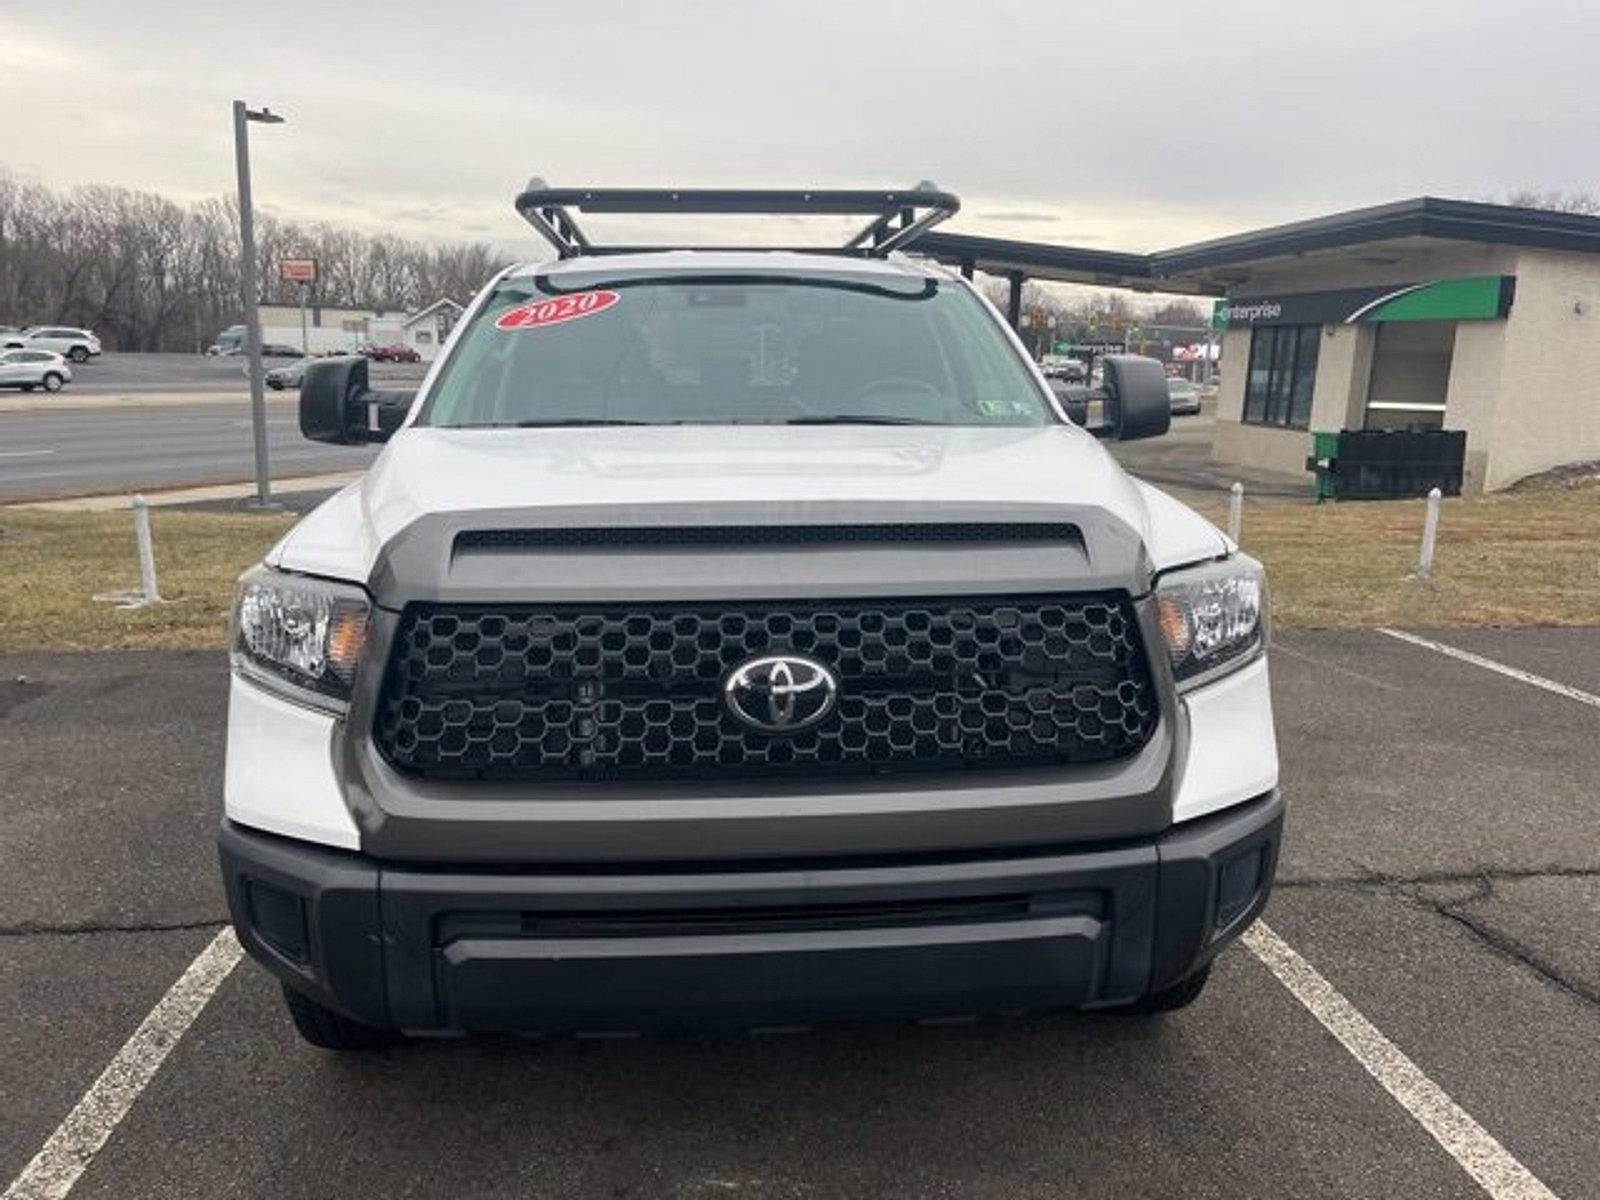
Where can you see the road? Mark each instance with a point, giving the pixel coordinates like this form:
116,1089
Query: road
1442,872
80,451
125,374
114,374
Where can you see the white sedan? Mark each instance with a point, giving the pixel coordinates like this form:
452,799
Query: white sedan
80,345
28,369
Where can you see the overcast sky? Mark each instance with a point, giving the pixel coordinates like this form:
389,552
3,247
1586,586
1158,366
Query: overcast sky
1126,127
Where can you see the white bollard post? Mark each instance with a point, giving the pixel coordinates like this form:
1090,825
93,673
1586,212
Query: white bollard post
147,553
1430,536
1235,511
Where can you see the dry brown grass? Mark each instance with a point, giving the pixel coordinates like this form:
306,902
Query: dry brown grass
1526,558
53,564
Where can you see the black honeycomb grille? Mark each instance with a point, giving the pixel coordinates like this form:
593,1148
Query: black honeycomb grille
616,692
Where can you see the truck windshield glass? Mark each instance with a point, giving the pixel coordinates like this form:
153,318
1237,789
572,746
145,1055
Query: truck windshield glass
734,350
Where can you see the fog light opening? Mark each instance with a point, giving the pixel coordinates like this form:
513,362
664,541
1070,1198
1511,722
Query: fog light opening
278,919
1238,884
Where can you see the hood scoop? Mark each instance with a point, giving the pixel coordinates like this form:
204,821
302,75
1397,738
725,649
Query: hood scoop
712,536
756,550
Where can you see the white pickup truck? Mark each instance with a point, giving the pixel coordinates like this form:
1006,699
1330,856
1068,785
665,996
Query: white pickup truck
740,638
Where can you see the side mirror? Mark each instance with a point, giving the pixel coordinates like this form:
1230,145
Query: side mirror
1136,399
337,406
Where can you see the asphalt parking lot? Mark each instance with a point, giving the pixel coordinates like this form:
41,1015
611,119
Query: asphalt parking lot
1442,873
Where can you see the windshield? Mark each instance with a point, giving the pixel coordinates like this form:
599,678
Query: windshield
735,350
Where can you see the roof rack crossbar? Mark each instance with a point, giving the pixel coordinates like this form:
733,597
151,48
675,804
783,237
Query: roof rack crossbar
899,217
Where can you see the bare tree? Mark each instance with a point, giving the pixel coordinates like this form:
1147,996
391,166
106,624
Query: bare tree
1587,203
150,274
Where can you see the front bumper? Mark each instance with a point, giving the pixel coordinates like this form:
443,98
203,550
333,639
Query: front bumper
580,950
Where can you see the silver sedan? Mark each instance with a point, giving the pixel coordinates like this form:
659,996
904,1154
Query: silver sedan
287,376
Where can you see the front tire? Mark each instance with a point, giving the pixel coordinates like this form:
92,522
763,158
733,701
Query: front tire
1170,999
328,1030
52,382
78,354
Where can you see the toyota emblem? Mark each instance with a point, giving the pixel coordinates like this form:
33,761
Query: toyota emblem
780,693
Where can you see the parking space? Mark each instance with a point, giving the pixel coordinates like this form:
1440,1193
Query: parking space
1020,1108
1442,872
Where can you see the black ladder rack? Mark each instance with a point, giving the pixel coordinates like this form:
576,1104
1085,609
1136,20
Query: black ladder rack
898,217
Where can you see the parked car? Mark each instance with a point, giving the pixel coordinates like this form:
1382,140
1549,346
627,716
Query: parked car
80,345
287,376
1063,367
29,368
268,350
635,686
1184,395
394,353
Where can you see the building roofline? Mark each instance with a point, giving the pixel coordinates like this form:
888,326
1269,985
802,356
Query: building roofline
1422,216
422,312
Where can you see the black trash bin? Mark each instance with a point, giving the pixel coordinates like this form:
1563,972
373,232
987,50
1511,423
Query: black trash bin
1374,464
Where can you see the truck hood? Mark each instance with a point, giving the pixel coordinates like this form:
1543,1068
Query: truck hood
423,471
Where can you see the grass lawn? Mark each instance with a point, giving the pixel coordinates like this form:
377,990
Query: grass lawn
1524,558
53,564
1518,558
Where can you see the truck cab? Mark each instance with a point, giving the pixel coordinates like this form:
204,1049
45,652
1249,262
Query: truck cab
740,638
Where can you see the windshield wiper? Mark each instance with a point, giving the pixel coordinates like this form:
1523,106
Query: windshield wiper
858,419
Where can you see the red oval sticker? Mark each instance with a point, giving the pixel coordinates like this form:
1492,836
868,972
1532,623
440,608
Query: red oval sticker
556,310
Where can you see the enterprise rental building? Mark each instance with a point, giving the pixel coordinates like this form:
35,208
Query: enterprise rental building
1423,314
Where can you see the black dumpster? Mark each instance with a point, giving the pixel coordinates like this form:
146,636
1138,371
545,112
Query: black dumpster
1376,464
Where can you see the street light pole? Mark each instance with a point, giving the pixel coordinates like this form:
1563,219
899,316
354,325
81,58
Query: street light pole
248,295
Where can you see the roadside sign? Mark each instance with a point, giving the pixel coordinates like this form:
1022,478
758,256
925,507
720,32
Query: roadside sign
298,270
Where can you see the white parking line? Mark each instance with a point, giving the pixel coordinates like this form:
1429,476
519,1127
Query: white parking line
1489,664
25,453
1500,1175
71,1148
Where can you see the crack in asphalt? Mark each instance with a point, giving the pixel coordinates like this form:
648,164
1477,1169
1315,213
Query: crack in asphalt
1518,952
1374,880
1483,881
48,929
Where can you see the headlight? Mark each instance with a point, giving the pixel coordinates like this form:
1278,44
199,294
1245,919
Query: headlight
1213,617
302,637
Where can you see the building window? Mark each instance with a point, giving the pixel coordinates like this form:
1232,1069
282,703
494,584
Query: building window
1282,374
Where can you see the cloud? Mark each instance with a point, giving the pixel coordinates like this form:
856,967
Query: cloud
1020,216
1235,122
